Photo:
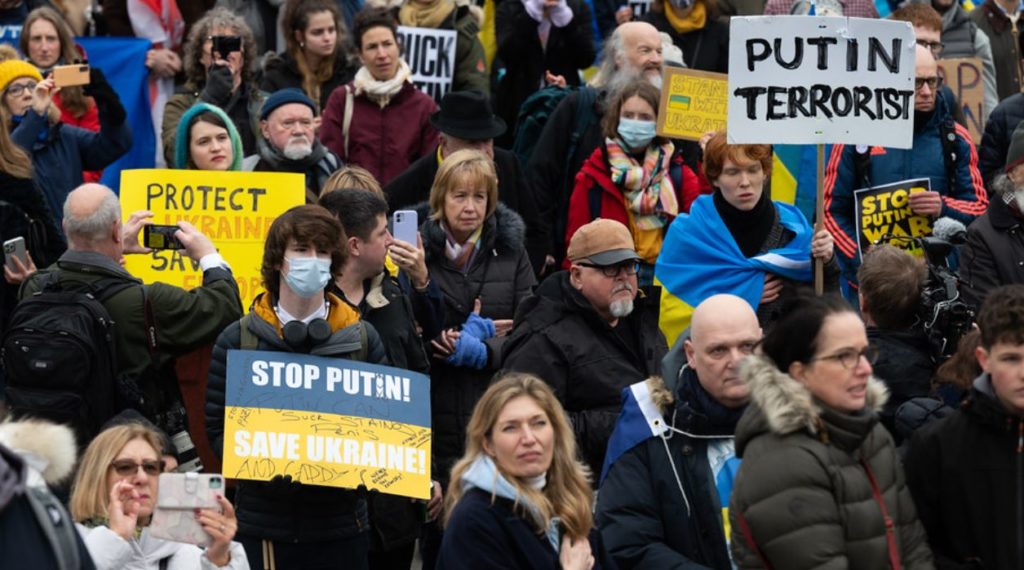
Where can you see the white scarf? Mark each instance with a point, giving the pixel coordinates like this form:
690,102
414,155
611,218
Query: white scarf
381,91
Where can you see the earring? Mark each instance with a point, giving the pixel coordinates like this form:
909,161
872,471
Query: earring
302,45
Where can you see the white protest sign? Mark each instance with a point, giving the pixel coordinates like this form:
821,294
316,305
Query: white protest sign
815,80
431,55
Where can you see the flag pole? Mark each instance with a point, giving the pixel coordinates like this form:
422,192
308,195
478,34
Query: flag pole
819,220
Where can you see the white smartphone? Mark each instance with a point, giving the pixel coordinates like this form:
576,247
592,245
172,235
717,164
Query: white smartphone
405,225
15,248
178,496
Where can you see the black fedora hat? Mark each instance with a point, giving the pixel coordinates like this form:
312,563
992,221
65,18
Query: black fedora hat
467,115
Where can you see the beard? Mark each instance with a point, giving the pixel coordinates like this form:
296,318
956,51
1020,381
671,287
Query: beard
297,149
629,73
620,309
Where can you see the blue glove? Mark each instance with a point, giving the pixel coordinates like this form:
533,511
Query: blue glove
470,352
480,327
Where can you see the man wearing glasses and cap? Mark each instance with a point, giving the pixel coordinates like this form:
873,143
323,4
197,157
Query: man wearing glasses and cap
589,333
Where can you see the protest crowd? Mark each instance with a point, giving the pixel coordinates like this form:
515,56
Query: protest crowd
523,284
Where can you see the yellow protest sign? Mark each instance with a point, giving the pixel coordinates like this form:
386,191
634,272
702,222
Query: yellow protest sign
884,216
233,209
692,103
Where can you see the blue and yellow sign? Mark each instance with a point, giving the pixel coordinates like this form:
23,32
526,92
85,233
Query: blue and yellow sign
327,421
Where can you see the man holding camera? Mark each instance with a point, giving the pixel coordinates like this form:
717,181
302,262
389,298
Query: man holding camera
153,323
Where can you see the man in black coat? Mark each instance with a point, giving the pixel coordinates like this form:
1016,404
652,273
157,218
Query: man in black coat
661,502
995,141
965,471
589,334
466,121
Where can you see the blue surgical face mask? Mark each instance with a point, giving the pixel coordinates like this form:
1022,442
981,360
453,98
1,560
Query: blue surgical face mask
307,276
636,134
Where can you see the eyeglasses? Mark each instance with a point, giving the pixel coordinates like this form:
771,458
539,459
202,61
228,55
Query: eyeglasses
631,267
935,47
19,88
933,82
128,467
850,358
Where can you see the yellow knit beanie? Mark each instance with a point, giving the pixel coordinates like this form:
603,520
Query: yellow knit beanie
13,69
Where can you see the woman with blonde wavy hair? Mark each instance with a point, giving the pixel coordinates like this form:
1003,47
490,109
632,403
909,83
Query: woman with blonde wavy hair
519,498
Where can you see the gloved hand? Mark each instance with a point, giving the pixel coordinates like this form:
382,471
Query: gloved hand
218,85
470,352
480,327
283,483
108,103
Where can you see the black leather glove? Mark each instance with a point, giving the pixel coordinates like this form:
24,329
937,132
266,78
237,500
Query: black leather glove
107,101
219,82
283,483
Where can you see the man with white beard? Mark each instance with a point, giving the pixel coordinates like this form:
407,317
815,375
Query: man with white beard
288,143
589,332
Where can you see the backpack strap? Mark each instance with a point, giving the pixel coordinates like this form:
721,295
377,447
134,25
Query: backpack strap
55,522
594,201
364,343
346,123
947,134
248,339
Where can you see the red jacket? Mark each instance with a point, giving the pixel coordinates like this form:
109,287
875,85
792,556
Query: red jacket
384,141
596,196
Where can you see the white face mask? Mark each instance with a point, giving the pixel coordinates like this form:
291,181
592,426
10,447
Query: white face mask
1018,195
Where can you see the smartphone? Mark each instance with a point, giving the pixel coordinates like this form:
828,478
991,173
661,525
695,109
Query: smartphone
155,236
405,225
71,75
15,248
179,495
223,45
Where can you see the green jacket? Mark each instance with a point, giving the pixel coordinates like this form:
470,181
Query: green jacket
184,320
803,495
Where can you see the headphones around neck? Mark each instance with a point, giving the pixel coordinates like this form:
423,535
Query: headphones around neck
302,337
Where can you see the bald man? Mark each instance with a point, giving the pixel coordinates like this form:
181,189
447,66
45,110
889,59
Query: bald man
182,320
942,151
661,504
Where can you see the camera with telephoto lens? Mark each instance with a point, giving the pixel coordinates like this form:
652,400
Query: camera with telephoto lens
175,423
942,314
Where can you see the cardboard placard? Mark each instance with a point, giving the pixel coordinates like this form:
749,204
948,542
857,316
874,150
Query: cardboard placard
233,209
327,421
817,80
430,54
964,76
885,210
692,103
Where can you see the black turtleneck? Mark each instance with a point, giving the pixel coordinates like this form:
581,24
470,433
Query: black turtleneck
751,228
921,119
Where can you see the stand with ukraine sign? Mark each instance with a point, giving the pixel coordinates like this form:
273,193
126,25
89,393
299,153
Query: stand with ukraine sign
327,421
804,80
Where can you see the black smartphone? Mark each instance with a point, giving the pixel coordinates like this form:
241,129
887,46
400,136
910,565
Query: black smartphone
160,237
223,45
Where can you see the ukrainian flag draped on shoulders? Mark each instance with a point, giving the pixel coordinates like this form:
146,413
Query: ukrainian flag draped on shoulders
700,258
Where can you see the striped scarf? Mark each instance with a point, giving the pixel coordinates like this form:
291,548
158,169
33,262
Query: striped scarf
461,255
648,192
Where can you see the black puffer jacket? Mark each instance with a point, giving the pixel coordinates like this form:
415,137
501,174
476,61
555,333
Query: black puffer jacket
706,49
995,142
965,474
500,276
561,339
279,510
993,254
905,365
813,481
280,71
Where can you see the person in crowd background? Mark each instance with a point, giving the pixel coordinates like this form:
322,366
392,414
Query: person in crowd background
283,522
996,139
379,121
589,332
961,38
60,153
519,498
695,28
351,176
226,80
207,140
539,41
287,143
811,437
112,502
634,177
316,58
463,16
998,20
654,515
47,41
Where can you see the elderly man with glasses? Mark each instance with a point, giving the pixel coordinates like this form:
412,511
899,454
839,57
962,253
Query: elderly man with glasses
589,332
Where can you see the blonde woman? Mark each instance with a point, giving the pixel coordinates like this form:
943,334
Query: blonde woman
519,498
113,498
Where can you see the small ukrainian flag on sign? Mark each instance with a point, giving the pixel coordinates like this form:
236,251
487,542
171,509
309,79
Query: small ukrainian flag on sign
679,102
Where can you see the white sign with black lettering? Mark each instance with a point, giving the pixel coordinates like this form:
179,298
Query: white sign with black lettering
431,55
815,80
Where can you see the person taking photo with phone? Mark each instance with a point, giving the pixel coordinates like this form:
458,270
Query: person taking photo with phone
220,69
60,152
113,500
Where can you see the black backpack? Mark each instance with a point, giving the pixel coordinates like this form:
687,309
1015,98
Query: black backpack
59,354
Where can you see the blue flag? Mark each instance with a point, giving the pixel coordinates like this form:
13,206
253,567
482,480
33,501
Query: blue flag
639,420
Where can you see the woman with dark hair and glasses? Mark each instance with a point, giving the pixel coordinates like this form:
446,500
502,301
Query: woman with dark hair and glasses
820,484
112,502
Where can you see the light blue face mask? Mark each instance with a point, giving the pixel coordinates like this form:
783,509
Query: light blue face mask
636,134
307,276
